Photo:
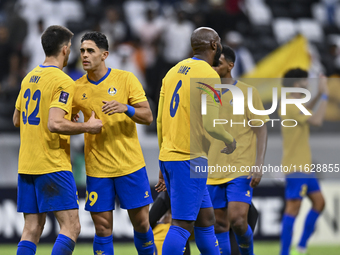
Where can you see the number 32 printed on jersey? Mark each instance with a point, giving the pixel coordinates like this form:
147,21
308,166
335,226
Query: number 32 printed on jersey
32,118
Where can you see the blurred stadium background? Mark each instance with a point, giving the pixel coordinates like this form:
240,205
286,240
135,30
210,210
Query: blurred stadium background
147,38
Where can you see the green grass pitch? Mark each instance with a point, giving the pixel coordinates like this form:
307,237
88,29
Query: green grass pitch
261,248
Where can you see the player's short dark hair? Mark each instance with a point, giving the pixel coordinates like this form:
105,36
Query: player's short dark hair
229,53
99,39
293,75
54,38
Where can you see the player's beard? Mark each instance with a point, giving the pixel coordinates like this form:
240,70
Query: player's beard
217,55
65,61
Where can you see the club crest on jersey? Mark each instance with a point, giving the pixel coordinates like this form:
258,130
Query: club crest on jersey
112,91
231,102
84,96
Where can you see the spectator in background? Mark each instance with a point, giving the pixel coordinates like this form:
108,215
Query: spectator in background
245,59
218,18
174,49
9,61
112,25
124,58
32,51
149,33
329,60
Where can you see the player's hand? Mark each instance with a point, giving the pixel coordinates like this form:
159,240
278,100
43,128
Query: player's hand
255,174
111,107
230,147
75,117
94,125
160,186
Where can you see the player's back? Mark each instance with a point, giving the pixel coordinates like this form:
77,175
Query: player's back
182,127
41,151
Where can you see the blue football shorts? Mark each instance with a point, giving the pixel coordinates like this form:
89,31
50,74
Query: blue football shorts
132,190
47,192
300,184
236,190
187,195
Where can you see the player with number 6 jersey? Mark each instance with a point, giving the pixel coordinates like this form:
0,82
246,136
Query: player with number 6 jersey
181,130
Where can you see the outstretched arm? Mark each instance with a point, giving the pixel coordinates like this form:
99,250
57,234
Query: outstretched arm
58,124
317,117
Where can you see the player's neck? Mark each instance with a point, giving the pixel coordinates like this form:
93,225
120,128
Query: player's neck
228,79
53,61
206,57
96,75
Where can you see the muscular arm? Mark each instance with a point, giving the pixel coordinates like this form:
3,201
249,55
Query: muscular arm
16,118
58,124
142,115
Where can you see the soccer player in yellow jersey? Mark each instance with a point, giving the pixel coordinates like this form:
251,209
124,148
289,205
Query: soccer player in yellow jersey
231,191
113,159
296,152
43,112
181,130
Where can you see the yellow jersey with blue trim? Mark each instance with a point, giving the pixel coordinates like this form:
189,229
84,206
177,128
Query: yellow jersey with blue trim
297,155
43,152
116,150
182,126
238,163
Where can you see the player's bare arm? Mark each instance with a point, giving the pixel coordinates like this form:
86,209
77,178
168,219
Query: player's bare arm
317,118
322,85
142,115
16,118
58,124
218,132
261,147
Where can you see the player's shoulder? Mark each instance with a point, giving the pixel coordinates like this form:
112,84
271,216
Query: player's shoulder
120,74
195,68
81,80
244,86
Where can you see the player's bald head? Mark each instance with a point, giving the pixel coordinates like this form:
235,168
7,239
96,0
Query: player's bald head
202,37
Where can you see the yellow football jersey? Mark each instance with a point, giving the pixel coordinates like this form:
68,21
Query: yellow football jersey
43,152
241,130
116,150
296,148
182,127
